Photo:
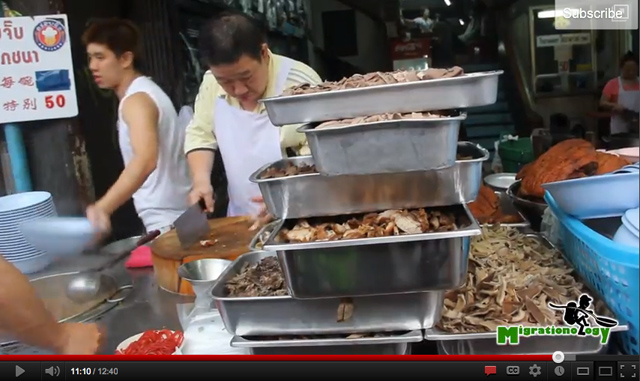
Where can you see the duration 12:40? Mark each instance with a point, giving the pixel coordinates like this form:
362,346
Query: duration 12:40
51,101
90,371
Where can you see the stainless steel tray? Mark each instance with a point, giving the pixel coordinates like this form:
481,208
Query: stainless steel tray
392,345
284,315
385,147
375,266
314,195
469,90
485,343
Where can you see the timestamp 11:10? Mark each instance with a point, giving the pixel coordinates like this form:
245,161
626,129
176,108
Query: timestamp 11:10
94,371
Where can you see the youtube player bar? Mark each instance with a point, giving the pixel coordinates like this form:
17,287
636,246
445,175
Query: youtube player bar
192,368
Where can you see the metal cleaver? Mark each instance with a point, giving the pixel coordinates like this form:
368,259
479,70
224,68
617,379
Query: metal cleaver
192,226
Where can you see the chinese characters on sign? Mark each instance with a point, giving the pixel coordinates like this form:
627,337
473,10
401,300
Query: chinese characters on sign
36,80
12,105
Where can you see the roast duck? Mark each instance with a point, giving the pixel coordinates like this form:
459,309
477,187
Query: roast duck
570,159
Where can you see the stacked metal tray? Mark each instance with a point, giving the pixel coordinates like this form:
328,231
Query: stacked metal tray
484,343
393,284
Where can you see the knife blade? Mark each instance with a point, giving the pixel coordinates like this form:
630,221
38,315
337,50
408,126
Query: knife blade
192,225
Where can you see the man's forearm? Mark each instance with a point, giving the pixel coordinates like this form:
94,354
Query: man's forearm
607,105
201,165
24,316
130,180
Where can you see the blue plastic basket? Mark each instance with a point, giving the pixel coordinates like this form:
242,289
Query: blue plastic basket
610,269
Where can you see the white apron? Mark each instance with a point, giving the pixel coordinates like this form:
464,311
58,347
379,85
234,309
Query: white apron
247,141
629,100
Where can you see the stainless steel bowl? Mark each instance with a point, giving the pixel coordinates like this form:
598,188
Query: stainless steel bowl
500,181
531,210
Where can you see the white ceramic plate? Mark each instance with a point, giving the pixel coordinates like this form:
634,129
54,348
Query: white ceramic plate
125,344
25,200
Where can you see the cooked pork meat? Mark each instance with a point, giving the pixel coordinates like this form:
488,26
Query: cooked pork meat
289,170
510,281
378,118
260,279
570,159
375,79
486,209
387,223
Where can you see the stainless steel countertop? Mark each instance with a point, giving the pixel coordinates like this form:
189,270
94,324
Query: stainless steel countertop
145,307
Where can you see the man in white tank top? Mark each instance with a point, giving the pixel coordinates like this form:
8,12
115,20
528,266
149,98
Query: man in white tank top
156,173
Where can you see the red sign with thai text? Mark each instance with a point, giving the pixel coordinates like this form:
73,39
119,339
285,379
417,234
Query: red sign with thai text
414,48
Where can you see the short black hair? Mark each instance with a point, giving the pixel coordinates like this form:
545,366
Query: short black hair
628,57
119,35
230,35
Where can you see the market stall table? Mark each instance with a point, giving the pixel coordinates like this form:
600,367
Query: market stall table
145,307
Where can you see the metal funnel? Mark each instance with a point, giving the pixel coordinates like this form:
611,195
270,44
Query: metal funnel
203,274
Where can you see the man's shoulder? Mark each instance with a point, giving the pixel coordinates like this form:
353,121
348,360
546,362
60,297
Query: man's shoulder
611,87
301,73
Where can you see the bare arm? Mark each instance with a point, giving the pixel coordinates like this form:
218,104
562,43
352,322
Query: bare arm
201,165
24,315
605,103
141,115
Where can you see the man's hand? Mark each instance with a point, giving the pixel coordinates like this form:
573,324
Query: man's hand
263,216
80,339
617,108
202,191
100,220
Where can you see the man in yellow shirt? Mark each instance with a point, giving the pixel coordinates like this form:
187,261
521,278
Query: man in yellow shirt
228,115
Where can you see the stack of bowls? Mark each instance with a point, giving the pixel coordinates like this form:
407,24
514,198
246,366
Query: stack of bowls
629,231
14,210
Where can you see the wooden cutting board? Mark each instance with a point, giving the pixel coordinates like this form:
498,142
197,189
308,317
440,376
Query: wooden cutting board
233,238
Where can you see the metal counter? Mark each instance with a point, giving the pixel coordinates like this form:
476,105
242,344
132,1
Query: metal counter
146,307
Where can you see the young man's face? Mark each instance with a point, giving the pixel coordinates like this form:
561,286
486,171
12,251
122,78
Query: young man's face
246,79
629,70
107,69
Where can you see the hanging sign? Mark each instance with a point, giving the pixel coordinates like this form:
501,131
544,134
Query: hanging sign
563,39
36,69
411,49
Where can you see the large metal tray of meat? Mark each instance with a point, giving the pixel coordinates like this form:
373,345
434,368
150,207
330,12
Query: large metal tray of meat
396,344
403,145
485,343
468,90
375,266
314,195
284,315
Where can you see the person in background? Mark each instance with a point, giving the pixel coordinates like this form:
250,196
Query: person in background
443,45
229,117
425,23
150,139
622,94
25,318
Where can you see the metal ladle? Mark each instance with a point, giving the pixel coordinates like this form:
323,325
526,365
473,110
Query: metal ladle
87,283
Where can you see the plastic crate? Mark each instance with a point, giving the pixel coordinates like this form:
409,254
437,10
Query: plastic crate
610,269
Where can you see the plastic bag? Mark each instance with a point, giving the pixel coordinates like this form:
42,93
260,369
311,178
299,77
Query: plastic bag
550,228
496,164
204,332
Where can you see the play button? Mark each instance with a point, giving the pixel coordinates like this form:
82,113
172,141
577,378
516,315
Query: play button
19,371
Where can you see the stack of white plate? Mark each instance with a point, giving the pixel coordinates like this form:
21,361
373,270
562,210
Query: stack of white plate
15,209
